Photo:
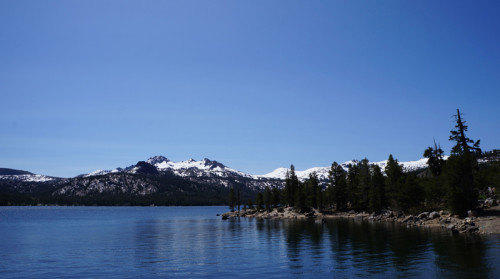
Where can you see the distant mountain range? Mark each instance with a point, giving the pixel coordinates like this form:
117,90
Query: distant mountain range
161,181
191,167
157,180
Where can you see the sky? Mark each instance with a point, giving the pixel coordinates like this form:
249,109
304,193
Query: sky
256,85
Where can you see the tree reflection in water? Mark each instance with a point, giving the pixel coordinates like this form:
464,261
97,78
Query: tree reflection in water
360,248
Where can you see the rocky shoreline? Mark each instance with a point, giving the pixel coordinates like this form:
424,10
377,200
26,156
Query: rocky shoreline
488,222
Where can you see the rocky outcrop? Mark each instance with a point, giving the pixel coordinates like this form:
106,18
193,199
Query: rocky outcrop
436,219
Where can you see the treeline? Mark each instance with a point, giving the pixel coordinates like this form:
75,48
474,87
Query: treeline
456,183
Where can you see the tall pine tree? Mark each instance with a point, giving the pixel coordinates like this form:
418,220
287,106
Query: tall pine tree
291,186
460,169
337,187
394,180
377,191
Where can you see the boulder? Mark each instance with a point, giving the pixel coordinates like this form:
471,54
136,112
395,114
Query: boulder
472,213
408,218
453,229
423,215
471,229
489,202
434,215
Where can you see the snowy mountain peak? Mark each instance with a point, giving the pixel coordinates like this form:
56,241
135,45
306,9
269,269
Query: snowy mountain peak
157,160
210,168
212,164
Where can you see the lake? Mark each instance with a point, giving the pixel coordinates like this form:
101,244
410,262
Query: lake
192,242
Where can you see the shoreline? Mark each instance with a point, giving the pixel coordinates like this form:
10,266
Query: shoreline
488,222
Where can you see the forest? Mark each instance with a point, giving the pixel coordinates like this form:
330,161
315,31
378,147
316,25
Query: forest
455,183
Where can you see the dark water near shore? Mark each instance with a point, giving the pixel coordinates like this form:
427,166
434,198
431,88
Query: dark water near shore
191,242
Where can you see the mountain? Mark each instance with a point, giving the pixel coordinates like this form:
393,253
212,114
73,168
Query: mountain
4,171
21,175
156,180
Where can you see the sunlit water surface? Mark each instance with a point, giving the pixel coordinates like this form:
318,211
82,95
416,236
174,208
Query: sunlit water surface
192,242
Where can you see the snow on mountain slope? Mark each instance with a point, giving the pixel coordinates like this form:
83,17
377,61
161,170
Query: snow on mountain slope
206,167
28,177
322,172
192,167
186,168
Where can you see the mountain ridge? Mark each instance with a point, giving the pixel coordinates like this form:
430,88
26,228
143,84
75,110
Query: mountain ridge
190,166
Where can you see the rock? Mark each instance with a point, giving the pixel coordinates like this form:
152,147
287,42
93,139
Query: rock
434,215
472,213
408,218
443,212
453,229
423,215
225,217
352,212
471,229
309,214
489,202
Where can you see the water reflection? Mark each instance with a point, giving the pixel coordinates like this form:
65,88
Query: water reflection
357,248
193,243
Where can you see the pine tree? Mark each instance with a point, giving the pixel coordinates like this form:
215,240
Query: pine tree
433,185
313,191
231,199
250,204
259,200
291,186
410,194
352,184
300,196
268,198
435,159
377,191
462,142
460,168
364,185
394,180
276,197
337,186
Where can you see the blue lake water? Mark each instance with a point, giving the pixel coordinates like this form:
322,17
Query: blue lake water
192,242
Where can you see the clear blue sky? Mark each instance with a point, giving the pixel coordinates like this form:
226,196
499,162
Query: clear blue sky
256,85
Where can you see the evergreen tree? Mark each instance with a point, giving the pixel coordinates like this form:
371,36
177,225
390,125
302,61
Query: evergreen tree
291,186
460,168
232,199
364,185
377,190
337,187
435,159
352,184
300,197
238,200
433,188
313,191
410,195
259,200
276,197
462,142
394,180
268,198
250,204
